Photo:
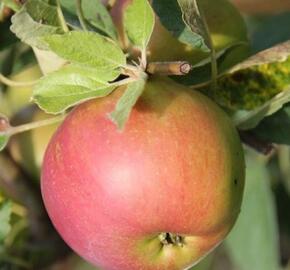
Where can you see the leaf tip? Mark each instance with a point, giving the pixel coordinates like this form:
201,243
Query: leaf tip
113,117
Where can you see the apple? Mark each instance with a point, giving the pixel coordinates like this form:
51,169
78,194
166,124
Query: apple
160,194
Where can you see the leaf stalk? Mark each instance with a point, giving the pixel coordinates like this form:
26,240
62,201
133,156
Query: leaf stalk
80,14
61,17
12,83
33,125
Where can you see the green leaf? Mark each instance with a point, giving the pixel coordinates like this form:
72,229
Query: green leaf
227,29
5,216
253,243
139,22
48,61
43,12
72,85
30,31
278,53
275,128
87,48
245,120
69,6
255,81
126,103
168,9
98,16
193,19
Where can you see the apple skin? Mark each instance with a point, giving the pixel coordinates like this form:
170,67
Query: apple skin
177,167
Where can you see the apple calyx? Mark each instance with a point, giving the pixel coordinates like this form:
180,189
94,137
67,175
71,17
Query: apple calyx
171,239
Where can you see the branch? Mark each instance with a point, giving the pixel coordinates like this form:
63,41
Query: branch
11,83
259,145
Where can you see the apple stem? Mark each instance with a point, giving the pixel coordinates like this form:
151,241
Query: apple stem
214,65
81,14
26,127
11,83
178,68
61,17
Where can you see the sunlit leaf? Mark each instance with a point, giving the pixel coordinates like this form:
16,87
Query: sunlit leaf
30,31
255,81
71,85
139,22
87,48
278,53
48,61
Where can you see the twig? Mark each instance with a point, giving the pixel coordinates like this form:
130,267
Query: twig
11,83
81,14
214,67
259,145
61,17
33,125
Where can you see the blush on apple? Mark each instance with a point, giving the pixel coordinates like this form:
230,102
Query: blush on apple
160,194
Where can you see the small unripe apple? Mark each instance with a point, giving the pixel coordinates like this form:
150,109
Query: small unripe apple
158,195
